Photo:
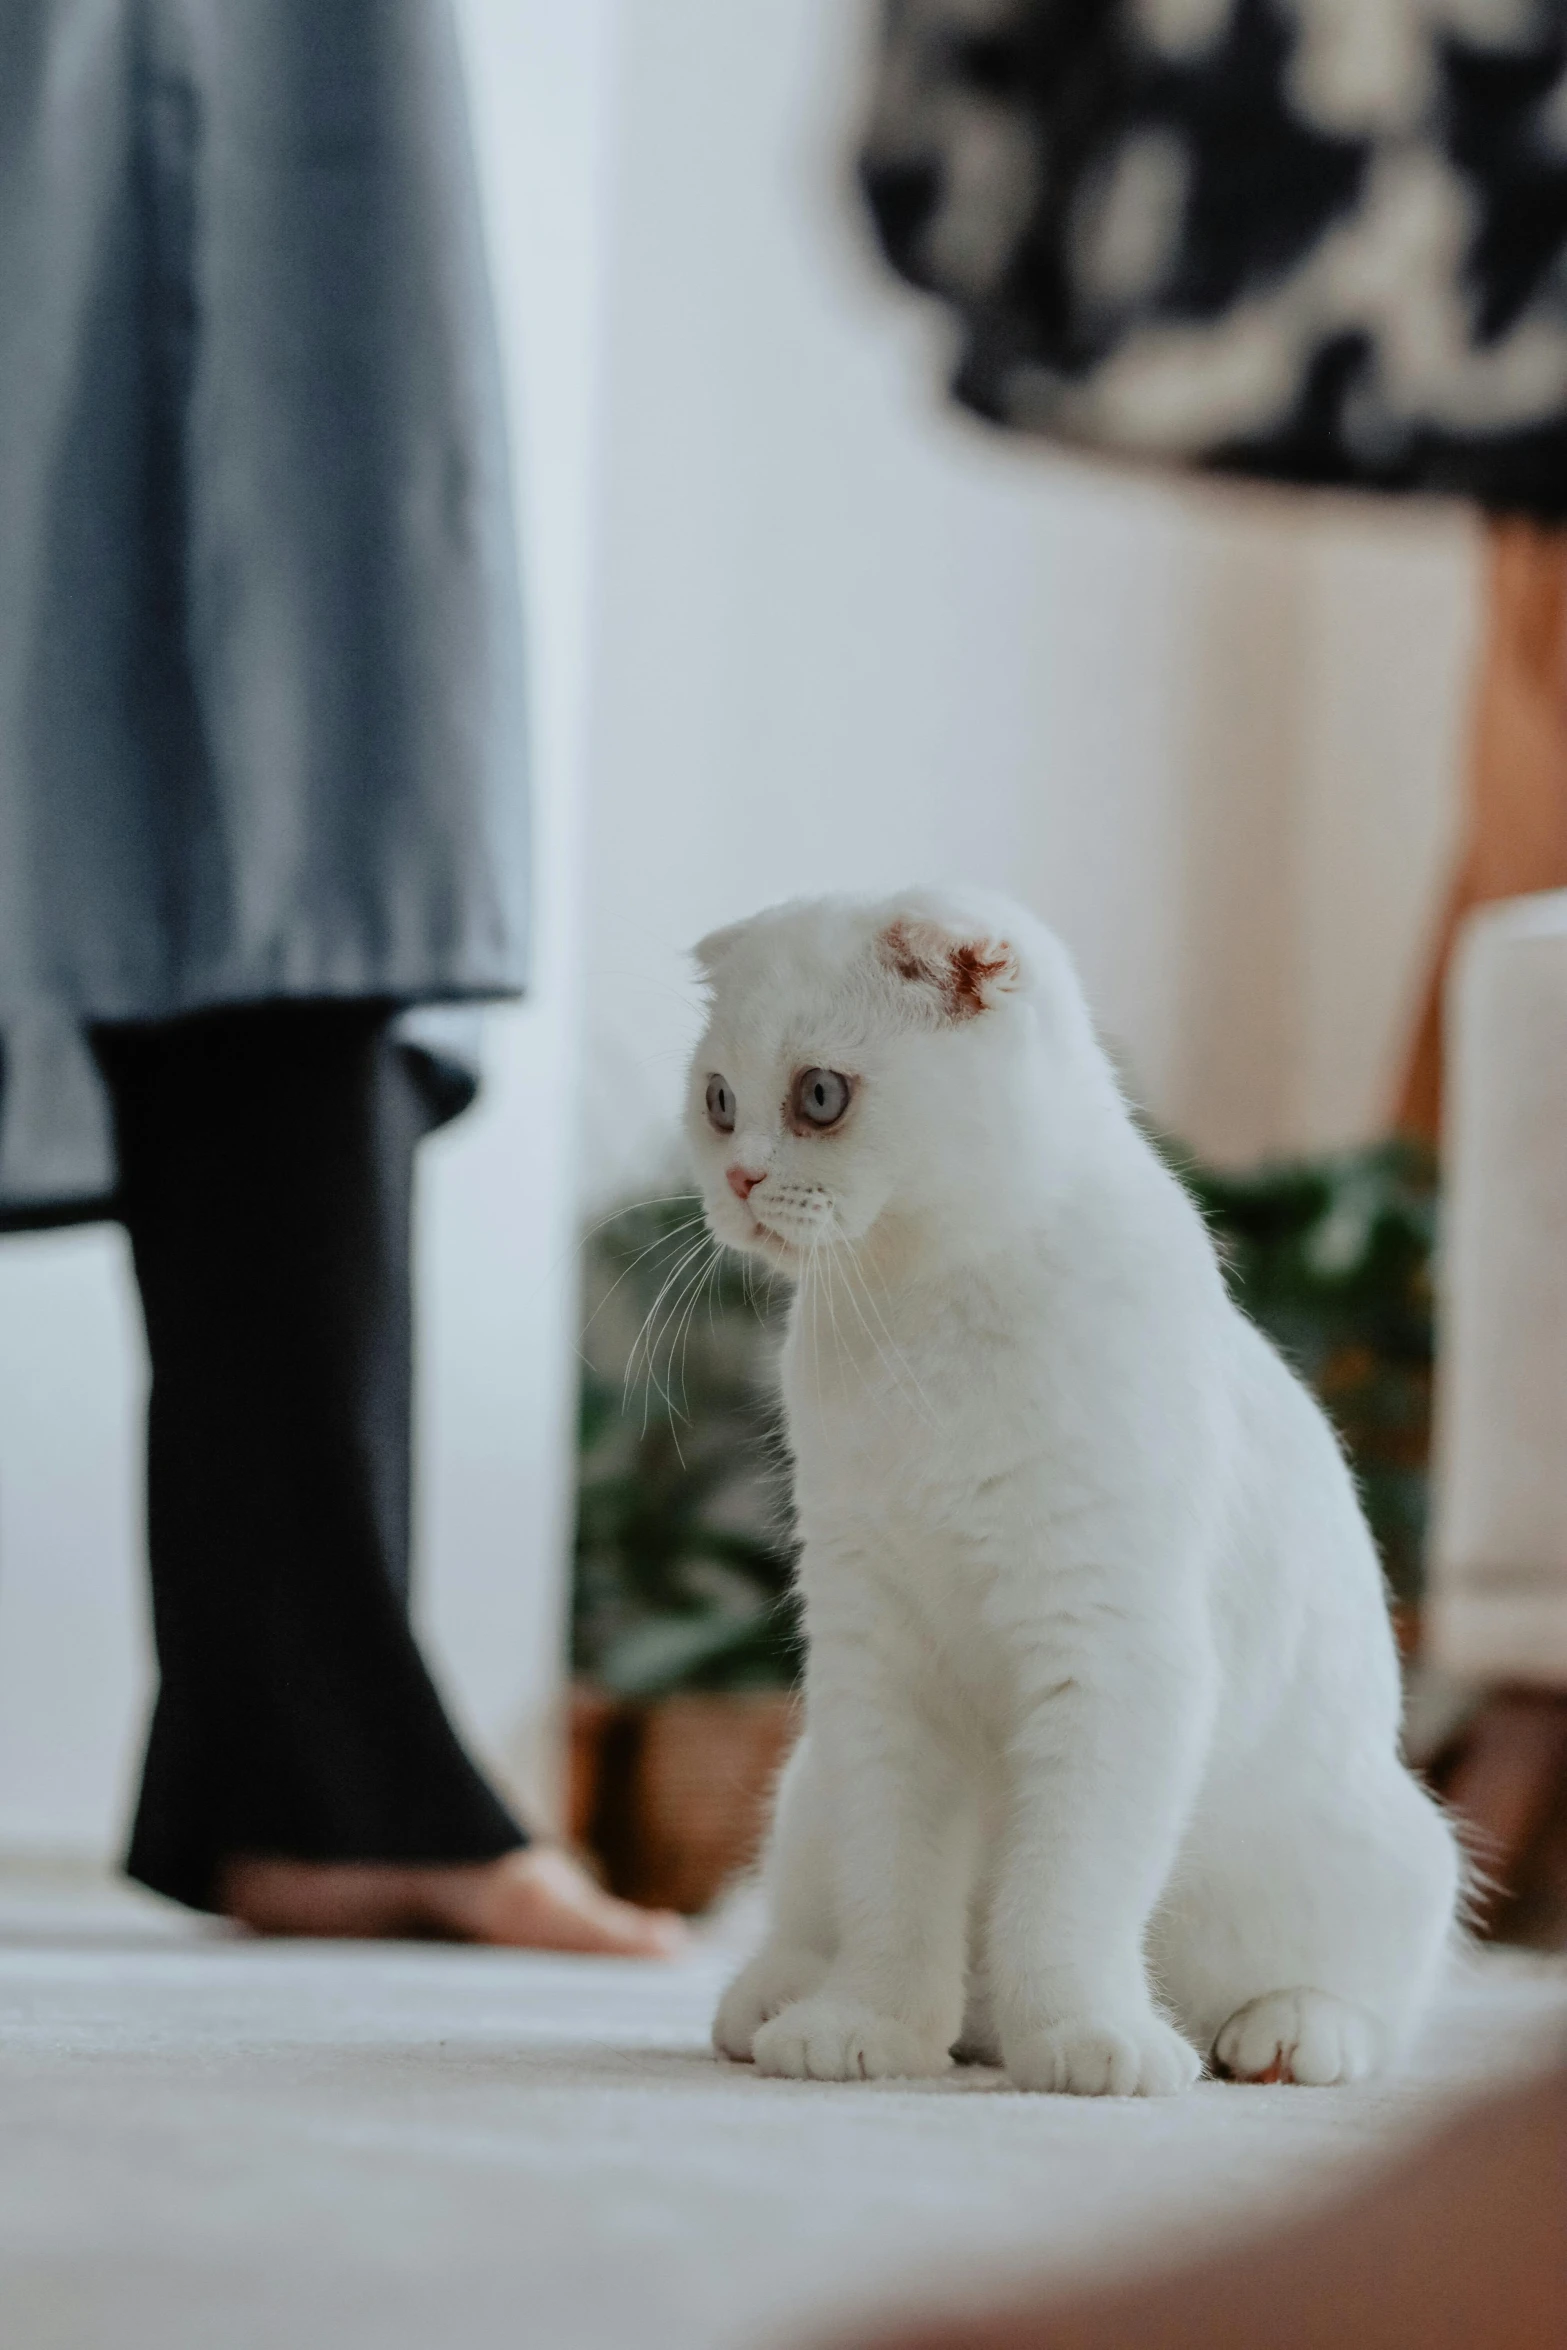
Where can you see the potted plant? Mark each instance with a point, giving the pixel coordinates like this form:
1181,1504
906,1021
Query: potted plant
685,1642
1333,1258
683,1631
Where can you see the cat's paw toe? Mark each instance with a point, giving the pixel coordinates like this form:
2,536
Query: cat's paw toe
1140,2057
835,2040
1303,2036
772,1981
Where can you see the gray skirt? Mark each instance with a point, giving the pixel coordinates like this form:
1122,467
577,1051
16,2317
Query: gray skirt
261,727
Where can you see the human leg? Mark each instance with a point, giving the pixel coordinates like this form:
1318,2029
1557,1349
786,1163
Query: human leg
267,1167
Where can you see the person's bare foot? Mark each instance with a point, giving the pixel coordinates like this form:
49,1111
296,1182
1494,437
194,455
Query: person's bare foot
537,1899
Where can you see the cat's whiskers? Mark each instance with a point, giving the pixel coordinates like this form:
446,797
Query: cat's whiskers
796,1216
636,1207
574,1250
682,1336
690,1289
821,1272
900,1377
840,1353
852,1269
818,1272
810,1295
847,1353
664,1240
676,1328
645,1342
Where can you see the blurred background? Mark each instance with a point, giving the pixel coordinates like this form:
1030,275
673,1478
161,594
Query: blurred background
794,625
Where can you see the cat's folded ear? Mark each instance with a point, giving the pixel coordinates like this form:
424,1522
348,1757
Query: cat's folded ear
709,952
959,975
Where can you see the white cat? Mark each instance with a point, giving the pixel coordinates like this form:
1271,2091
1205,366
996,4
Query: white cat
1100,1775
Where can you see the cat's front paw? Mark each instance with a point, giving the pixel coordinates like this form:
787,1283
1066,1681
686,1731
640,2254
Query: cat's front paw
1087,2056
1303,2036
773,1980
828,2039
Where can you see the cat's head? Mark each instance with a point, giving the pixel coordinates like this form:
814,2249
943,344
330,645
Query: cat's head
865,1061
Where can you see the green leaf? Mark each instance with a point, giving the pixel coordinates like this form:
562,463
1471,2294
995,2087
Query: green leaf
661,1656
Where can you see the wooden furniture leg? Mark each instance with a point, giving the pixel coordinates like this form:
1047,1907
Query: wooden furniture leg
1505,1776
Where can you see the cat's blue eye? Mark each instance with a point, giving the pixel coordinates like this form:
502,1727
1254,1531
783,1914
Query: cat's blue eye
720,1105
820,1097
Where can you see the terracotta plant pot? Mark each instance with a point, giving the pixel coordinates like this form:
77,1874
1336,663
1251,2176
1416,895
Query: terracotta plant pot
671,1797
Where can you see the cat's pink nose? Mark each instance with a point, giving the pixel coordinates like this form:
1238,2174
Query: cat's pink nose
742,1182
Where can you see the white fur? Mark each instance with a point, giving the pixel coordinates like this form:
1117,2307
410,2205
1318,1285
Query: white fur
1100,1776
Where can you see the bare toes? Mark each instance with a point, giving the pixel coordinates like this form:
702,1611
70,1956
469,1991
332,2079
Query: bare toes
542,1899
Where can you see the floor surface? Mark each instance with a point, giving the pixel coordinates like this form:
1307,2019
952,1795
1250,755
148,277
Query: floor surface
210,2143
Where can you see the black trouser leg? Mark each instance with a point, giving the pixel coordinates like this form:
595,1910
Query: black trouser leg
266,1160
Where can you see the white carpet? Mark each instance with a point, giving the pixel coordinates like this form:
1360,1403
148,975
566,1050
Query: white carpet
213,2144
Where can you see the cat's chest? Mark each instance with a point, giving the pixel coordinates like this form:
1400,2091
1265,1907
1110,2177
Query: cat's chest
925,1615
916,1577
910,1422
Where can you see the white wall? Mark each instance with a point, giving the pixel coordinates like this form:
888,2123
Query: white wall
1319,709
849,639
496,1215
73,1660
498,1223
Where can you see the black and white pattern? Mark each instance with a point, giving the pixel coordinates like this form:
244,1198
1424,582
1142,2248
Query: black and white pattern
1318,240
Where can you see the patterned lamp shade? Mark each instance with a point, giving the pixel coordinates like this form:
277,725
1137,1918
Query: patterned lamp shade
1319,241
